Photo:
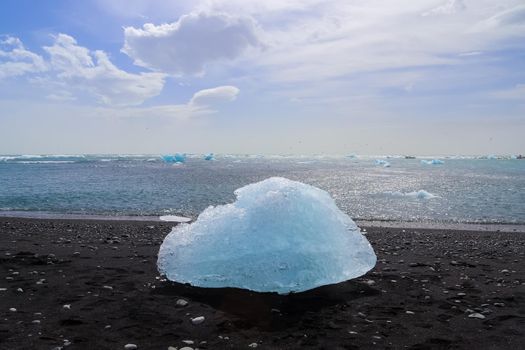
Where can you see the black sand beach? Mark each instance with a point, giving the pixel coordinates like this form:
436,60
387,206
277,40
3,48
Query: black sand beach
94,285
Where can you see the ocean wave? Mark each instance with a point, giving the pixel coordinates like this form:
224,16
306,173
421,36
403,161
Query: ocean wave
421,194
46,162
21,158
75,158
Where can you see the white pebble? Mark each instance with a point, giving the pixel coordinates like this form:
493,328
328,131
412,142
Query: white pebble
181,302
12,309
67,306
253,345
477,315
197,320
130,347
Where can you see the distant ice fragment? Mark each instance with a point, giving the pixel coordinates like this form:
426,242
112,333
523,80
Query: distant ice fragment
174,218
209,156
421,194
278,236
432,162
383,163
174,158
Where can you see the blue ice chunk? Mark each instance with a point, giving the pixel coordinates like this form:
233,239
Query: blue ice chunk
432,162
278,236
209,156
174,158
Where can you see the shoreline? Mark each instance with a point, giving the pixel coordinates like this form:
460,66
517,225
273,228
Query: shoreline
87,284
42,215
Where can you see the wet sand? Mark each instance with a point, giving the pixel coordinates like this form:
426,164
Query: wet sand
78,284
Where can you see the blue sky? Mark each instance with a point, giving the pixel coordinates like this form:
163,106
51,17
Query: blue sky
310,76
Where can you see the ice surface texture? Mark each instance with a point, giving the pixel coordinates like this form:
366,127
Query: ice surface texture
278,236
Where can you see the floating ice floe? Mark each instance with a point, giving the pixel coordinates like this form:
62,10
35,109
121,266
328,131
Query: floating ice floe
278,236
421,194
432,162
383,163
209,156
174,158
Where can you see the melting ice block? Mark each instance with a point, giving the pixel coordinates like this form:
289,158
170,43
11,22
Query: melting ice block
278,236
209,156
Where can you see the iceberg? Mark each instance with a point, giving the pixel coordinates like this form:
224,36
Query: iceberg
432,162
383,163
175,158
278,236
209,156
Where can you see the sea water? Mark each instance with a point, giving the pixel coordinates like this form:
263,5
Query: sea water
462,190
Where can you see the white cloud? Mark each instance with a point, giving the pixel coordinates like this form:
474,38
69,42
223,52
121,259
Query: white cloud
187,46
516,93
208,97
314,40
15,60
61,96
92,71
71,69
202,102
448,8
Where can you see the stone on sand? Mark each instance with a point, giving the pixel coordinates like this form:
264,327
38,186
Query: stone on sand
197,320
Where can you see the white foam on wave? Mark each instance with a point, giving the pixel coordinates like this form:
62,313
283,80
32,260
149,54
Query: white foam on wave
421,194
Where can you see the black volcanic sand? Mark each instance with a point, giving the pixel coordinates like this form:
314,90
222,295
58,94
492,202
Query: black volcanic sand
419,296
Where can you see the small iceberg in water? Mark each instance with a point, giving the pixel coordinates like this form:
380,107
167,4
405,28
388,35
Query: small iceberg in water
383,162
432,162
174,158
421,194
209,156
278,236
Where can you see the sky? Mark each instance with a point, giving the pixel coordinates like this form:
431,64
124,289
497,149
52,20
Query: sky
262,77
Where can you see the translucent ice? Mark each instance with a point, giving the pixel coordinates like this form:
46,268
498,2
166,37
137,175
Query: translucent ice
175,158
278,236
432,162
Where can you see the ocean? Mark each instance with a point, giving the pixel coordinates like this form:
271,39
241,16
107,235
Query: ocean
461,190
